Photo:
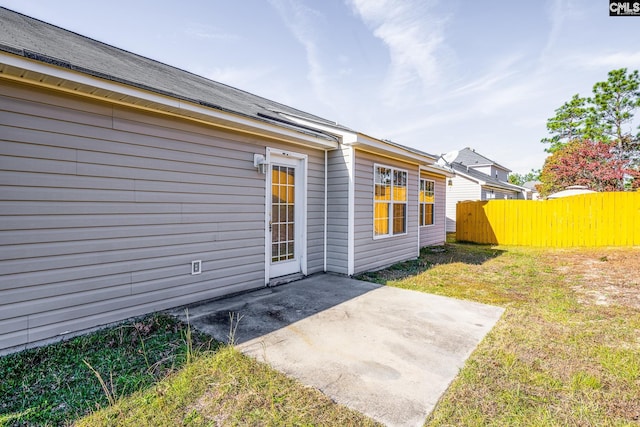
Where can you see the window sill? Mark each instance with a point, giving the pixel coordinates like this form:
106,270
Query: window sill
388,236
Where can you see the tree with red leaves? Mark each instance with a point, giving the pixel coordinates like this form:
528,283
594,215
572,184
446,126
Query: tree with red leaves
595,165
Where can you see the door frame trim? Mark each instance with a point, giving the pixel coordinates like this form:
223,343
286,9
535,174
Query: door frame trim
304,162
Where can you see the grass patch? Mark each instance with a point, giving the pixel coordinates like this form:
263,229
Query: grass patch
565,352
54,385
227,388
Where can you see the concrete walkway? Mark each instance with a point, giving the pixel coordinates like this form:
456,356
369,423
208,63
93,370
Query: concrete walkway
386,352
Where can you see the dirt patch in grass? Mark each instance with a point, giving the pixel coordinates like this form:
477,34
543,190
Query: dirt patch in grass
602,277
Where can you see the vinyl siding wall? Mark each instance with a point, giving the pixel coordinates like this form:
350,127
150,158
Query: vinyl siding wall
493,171
461,190
102,210
338,210
370,253
435,234
499,194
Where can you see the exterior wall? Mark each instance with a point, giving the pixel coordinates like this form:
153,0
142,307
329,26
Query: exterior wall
486,169
435,234
315,207
461,190
492,171
338,210
102,210
370,253
500,194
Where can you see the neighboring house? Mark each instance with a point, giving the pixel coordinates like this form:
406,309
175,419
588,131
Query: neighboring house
533,194
129,186
476,178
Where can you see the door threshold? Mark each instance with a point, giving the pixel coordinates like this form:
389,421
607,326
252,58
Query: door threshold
285,279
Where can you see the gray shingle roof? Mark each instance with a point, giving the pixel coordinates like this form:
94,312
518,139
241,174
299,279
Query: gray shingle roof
38,40
469,157
491,181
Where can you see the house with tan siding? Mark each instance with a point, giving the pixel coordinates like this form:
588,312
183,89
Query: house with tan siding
129,186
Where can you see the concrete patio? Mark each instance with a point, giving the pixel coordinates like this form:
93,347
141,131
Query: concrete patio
389,353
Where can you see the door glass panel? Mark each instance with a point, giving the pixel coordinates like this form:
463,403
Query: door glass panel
282,217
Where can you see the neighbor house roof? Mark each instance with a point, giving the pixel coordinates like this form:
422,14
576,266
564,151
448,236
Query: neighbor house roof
468,157
482,178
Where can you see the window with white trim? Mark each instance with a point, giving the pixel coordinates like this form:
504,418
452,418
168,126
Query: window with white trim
426,202
389,201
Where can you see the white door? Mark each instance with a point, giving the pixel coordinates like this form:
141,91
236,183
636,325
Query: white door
287,216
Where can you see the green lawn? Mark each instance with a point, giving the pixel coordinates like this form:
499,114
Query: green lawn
565,352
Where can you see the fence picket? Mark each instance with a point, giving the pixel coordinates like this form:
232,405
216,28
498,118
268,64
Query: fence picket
588,220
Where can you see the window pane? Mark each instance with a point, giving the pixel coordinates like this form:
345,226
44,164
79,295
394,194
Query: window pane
381,219
429,214
399,186
400,178
421,212
383,192
290,249
383,176
399,214
400,194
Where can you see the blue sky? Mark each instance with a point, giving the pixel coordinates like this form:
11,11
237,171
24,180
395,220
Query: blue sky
434,75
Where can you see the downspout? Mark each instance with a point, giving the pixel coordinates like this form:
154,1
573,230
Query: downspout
326,181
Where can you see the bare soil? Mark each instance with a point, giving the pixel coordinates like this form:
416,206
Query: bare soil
605,277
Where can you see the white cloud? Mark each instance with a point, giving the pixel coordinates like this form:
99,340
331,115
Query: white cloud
300,20
201,31
610,61
559,12
414,36
500,71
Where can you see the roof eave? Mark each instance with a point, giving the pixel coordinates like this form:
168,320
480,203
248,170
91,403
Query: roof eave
368,143
18,68
437,170
469,177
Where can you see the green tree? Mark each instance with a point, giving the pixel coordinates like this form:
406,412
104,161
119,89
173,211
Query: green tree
606,116
612,107
518,179
568,123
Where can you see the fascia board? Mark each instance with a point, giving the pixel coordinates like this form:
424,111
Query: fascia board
37,72
367,143
375,145
437,171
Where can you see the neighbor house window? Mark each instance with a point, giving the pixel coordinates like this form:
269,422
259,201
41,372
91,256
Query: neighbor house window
389,201
426,201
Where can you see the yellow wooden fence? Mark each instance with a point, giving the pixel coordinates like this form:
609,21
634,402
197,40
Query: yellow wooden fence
595,219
